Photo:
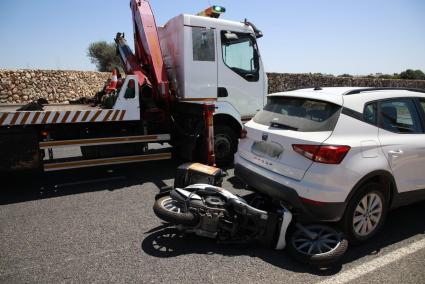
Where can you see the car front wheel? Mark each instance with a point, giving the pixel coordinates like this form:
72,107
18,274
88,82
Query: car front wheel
365,214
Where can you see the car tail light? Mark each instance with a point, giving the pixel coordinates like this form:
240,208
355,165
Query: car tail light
243,133
326,154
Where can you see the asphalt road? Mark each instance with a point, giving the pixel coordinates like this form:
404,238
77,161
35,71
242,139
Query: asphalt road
98,226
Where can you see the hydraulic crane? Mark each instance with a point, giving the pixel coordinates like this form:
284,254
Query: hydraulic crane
148,65
147,60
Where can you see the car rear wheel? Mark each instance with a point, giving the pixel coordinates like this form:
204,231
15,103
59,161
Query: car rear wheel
365,214
317,244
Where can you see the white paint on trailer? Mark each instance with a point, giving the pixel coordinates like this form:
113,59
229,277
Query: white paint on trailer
55,117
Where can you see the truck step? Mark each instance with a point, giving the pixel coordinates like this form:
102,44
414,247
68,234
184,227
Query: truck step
105,141
48,167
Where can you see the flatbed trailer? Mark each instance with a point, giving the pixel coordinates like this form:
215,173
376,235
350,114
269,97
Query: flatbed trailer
120,135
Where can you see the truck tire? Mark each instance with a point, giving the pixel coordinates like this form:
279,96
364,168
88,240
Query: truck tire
326,249
170,211
225,145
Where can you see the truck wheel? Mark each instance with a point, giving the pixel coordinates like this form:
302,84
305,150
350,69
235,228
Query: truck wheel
225,145
365,214
326,248
170,210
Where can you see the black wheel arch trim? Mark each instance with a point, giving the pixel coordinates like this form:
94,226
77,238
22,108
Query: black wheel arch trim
376,174
229,121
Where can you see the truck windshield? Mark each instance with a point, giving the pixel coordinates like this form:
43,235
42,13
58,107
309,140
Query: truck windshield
240,54
298,114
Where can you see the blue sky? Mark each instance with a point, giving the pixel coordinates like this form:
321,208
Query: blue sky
327,36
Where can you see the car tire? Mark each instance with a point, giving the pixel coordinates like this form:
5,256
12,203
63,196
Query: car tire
225,145
309,251
365,214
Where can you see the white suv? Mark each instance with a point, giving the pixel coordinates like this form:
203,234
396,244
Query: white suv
338,154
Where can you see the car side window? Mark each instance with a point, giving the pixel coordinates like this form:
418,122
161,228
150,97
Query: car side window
399,116
369,113
422,102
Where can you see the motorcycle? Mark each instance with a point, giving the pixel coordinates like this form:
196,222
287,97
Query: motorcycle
214,212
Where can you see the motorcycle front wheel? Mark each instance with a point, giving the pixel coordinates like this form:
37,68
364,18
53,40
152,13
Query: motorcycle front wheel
172,211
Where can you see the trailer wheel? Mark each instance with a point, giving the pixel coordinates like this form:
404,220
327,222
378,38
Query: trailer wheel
225,144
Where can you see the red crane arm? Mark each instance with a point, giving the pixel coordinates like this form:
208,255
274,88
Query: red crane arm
147,47
129,61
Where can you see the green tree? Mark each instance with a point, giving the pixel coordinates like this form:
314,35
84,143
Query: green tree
386,76
410,74
104,55
396,76
345,75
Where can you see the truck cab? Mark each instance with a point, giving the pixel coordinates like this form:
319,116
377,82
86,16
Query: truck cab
214,59
210,59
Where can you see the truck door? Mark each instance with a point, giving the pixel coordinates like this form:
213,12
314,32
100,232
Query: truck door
241,77
128,98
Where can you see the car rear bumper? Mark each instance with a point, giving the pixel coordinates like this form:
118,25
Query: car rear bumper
307,210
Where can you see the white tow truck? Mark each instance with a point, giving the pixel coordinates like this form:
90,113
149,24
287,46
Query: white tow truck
191,83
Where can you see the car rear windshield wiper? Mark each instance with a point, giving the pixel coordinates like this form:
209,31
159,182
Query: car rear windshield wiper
282,126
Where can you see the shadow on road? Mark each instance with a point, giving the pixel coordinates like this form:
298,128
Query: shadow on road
25,187
169,242
401,224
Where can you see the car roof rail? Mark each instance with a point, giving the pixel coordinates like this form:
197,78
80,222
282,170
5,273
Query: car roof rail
358,91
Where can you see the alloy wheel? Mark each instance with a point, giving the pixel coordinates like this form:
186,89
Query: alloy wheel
325,241
172,205
367,214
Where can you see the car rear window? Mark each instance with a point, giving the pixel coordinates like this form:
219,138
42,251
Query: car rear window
298,114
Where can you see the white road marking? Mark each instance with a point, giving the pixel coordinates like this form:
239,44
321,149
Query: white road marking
374,264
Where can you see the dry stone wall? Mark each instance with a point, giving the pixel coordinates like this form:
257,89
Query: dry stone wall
22,86
284,82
